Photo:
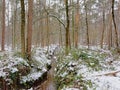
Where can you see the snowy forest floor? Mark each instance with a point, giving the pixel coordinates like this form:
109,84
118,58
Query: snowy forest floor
93,69
81,69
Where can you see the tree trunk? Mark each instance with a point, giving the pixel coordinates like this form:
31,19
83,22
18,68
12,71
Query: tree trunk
48,35
77,17
60,35
3,27
29,29
42,33
22,28
110,34
87,28
67,28
102,39
115,27
73,24
14,25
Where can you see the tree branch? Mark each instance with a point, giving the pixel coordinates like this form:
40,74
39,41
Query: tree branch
54,17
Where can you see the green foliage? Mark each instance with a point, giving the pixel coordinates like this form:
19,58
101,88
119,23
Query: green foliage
13,76
17,54
83,56
93,63
0,57
75,53
68,67
88,59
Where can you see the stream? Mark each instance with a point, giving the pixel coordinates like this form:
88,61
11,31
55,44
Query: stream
49,84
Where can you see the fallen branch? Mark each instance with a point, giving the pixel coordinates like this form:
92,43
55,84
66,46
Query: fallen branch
110,74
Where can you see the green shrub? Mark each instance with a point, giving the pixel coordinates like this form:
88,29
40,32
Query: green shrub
17,54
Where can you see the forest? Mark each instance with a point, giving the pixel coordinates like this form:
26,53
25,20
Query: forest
59,45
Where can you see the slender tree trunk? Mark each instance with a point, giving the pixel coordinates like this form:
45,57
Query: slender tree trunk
77,17
110,34
67,28
73,26
48,35
115,27
22,28
8,21
87,28
42,33
14,26
102,39
3,27
60,35
73,30
29,29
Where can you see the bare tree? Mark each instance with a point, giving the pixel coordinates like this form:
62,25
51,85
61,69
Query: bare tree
67,28
29,29
110,31
103,13
86,20
3,27
77,18
115,27
22,28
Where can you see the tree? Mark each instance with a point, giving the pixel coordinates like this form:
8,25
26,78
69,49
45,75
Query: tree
103,13
23,28
77,17
73,28
48,31
115,27
86,20
14,22
110,32
3,27
29,29
67,27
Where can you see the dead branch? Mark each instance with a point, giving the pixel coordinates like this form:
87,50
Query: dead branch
110,74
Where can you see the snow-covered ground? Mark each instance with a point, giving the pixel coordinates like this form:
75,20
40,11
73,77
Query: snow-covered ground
82,69
104,75
12,66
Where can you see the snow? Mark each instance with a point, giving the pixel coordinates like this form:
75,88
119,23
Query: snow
10,62
64,74
31,77
30,89
71,89
107,83
13,70
109,62
42,57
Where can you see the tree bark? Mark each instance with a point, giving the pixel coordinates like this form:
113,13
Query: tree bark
3,27
60,35
77,17
102,39
14,24
110,34
86,20
48,31
115,27
67,28
73,23
29,29
22,28
42,33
